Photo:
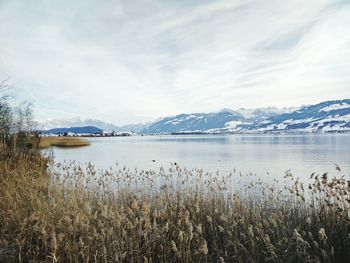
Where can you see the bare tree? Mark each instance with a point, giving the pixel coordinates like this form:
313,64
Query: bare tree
5,114
22,125
16,123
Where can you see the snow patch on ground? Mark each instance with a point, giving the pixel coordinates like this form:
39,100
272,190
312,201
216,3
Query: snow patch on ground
232,124
291,121
338,106
193,117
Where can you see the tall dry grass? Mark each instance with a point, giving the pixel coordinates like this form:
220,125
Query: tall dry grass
80,214
61,141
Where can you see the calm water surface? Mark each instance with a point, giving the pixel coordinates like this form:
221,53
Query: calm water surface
260,154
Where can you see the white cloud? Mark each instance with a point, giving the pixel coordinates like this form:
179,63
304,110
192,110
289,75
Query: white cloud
130,61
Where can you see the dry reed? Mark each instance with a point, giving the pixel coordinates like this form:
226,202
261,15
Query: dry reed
60,141
75,213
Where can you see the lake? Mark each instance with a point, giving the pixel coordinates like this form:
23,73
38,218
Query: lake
261,154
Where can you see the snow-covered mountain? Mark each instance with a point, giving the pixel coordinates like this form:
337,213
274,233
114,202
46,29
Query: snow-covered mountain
261,114
48,124
134,127
198,122
226,120
329,116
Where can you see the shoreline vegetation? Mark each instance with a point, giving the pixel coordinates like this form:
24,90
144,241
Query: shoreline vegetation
62,141
67,213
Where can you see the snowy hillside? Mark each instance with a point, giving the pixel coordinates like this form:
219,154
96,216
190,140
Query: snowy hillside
329,116
260,114
196,122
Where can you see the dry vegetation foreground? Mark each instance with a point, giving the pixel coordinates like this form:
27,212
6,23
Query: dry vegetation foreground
60,141
75,214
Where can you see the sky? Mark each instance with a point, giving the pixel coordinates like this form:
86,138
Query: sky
134,61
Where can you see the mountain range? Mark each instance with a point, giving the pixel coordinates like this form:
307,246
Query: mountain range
328,116
49,124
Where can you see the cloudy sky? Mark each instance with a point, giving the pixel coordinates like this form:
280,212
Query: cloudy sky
132,61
